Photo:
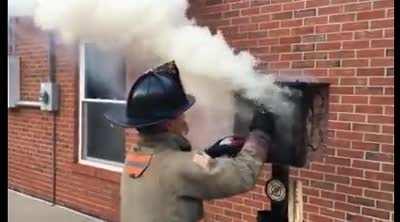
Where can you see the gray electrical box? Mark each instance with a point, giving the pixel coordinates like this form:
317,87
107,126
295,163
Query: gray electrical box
13,81
49,96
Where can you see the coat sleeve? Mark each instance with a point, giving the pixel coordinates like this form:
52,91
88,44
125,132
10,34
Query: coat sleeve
206,178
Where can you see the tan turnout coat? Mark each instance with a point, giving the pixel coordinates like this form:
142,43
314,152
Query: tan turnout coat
175,183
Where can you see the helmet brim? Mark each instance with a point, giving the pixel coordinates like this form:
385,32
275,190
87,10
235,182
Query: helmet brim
118,117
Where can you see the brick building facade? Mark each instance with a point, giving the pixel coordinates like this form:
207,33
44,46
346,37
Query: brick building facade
346,42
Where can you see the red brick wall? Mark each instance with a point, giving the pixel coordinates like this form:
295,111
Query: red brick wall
346,42
30,132
350,44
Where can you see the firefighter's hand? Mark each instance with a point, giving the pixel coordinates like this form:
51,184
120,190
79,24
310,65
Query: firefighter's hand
228,146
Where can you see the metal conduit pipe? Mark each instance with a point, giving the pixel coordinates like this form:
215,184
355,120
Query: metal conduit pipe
52,78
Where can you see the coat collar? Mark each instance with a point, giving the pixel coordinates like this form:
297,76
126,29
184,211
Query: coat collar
158,142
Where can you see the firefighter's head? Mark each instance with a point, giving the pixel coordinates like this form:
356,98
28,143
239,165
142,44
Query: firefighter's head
156,103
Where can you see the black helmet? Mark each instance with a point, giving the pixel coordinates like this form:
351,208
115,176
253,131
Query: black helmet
156,96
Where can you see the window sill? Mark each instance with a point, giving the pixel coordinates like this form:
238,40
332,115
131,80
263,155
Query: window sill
112,174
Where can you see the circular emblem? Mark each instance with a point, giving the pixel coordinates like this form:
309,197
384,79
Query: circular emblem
276,190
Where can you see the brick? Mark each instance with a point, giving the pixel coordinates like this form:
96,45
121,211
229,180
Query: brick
379,138
361,201
357,7
365,127
369,53
330,10
322,168
269,25
327,28
240,5
342,72
353,81
303,30
280,48
370,71
381,81
385,205
257,35
289,40
355,44
291,56
337,179
340,36
316,20
291,23
357,218
364,183
342,18
382,43
379,176
364,146
230,14
369,90
376,213
303,64
384,23
282,15
328,63
271,8
371,15
320,202
387,187
363,164
250,11
328,46
355,62
279,32
303,47
322,185
381,100
383,157
342,54
333,196
294,6
389,33
314,38
341,90
355,99
352,26
347,171
382,62
383,4
369,34
316,217
241,20
305,13
337,161
260,18
347,207
355,154
388,129
338,143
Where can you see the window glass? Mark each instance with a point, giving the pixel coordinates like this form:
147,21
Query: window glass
102,140
105,75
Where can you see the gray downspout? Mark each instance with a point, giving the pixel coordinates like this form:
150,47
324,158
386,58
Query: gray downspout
52,78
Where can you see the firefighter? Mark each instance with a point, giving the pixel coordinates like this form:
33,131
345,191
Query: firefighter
163,178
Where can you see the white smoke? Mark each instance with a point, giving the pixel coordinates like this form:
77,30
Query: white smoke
161,28
160,31
21,7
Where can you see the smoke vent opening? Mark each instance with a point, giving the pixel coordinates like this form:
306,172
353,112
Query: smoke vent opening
301,137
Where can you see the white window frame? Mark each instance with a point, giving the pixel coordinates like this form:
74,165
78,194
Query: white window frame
91,161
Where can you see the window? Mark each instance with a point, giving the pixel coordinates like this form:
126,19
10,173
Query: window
103,80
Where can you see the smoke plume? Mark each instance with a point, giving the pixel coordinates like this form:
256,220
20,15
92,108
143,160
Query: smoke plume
160,30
